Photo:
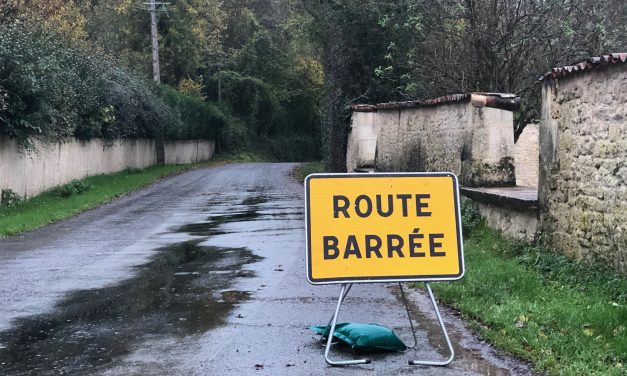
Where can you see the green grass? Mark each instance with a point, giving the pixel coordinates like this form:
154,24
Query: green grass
307,168
566,317
49,207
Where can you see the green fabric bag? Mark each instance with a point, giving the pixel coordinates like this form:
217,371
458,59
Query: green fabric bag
364,337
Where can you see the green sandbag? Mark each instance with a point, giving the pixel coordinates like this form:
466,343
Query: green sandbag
364,337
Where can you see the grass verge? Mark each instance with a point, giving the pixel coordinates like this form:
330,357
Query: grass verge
301,172
50,206
566,317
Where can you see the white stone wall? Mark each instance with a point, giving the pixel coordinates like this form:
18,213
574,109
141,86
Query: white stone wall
362,141
475,143
53,164
519,224
188,151
527,156
583,164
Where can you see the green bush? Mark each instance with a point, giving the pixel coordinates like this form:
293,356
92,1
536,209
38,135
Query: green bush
9,198
45,85
471,217
138,109
53,90
297,148
253,100
75,187
199,119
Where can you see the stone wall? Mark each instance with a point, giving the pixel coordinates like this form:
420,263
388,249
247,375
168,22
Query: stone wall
475,143
583,164
518,224
362,141
511,210
52,164
527,156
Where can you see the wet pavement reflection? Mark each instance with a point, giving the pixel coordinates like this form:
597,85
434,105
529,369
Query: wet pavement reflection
184,289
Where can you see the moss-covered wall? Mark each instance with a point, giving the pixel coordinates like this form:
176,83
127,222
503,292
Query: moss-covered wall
475,143
583,164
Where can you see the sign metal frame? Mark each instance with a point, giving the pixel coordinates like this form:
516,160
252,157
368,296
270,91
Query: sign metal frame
366,279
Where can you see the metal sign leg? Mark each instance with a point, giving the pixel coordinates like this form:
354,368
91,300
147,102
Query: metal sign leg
448,341
342,297
343,293
411,323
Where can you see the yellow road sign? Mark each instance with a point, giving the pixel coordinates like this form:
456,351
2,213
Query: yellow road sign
383,227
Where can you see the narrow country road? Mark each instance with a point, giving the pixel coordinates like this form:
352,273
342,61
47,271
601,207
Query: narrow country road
199,274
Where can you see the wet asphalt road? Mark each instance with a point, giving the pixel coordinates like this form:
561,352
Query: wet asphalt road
199,274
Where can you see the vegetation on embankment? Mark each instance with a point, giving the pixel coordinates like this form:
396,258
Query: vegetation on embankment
301,172
53,90
19,216
566,317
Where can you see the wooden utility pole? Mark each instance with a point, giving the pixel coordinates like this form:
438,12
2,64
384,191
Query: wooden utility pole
156,75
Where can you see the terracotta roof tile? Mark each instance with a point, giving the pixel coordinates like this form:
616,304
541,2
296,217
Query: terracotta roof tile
502,101
586,65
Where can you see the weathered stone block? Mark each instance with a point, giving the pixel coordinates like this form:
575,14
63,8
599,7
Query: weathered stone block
481,174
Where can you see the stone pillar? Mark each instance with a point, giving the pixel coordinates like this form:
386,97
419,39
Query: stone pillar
488,150
362,140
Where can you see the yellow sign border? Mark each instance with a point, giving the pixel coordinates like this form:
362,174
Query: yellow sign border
367,279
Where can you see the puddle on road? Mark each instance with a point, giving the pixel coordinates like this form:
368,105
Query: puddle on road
214,223
184,289
211,227
234,296
254,200
181,291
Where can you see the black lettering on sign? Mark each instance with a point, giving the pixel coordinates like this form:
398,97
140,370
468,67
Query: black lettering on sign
415,243
331,251
398,247
364,205
352,248
358,201
390,206
433,245
404,198
337,208
373,247
422,205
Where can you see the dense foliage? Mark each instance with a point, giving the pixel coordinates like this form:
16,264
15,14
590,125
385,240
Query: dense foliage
54,90
374,51
278,76
242,72
198,118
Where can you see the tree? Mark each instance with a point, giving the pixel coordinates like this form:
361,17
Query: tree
65,17
418,49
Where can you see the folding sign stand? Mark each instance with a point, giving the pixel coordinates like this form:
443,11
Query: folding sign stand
383,227
344,292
